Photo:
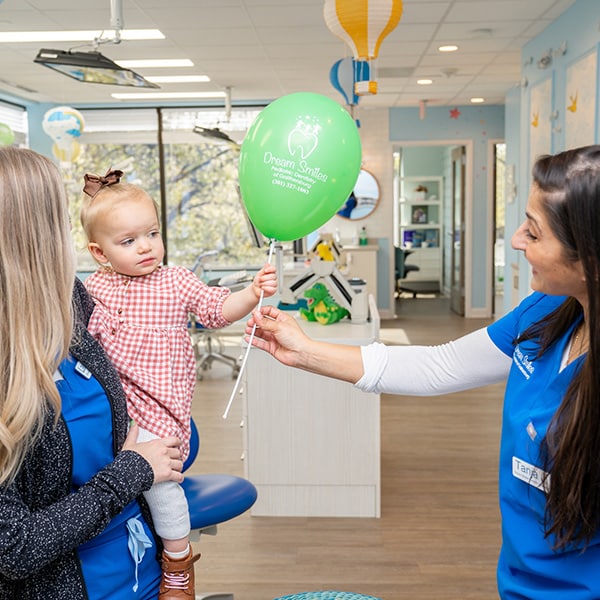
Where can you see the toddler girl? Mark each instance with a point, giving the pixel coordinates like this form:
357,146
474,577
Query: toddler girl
141,319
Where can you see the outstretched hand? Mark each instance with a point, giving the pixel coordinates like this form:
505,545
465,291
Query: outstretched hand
163,454
279,334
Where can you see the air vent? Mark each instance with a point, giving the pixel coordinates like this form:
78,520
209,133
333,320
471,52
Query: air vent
395,72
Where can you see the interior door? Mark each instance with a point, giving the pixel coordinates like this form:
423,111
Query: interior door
457,232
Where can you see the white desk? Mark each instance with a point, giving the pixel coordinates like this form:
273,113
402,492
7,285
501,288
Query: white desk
312,444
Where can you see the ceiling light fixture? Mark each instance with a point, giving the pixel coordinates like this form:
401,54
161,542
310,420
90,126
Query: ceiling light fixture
424,81
448,48
179,79
156,63
90,67
166,95
24,37
477,100
215,134
93,67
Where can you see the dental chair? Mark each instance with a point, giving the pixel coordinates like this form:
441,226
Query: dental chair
213,499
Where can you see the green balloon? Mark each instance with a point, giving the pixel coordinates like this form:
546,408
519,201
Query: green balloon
298,164
7,135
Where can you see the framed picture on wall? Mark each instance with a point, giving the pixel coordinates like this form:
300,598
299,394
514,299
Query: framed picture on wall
419,214
580,96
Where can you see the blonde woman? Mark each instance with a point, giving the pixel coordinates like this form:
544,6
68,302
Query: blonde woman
73,523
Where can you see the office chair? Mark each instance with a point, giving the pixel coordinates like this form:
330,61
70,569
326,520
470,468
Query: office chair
208,348
213,499
402,269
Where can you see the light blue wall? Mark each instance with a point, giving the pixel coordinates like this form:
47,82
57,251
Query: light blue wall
423,160
477,124
38,139
576,30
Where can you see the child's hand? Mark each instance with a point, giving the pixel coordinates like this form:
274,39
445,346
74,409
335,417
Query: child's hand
265,281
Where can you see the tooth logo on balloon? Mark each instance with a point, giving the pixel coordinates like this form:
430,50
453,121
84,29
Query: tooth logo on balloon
303,139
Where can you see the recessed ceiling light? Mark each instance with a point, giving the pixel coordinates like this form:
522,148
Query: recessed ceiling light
13,37
477,100
448,48
167,95
178,79
424,81
159,63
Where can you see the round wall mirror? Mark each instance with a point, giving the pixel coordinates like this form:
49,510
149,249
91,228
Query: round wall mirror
364,198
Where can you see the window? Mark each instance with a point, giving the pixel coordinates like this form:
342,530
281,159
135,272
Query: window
158,150
13,123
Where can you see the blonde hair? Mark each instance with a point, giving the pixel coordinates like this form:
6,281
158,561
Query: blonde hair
97,207
37,272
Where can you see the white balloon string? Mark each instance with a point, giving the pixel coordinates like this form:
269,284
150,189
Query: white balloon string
245,359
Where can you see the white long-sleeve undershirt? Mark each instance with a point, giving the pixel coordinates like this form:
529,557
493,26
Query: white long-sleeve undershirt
468,362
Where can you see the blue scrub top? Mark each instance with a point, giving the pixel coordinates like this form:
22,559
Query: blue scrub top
108,567
528,568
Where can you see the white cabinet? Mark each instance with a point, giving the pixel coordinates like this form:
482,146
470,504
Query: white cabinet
311,443
361,261
420,210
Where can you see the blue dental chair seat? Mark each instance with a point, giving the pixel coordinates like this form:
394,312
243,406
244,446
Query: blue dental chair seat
214,498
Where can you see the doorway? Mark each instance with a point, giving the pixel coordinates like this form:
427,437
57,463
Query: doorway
457,232
499,209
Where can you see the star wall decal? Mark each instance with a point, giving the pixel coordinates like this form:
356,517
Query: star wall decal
454,113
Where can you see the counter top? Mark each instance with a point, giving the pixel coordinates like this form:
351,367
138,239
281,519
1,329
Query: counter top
344,331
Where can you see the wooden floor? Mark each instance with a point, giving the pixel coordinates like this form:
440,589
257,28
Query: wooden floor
438,536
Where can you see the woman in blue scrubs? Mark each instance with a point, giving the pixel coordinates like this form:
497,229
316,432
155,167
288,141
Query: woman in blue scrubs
73,524
548,351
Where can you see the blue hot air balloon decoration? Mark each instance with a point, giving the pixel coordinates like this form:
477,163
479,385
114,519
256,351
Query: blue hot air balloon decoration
342,77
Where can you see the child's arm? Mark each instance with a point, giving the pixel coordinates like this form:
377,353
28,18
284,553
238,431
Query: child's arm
239,304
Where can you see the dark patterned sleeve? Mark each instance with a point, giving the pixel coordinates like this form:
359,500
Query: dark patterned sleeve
83,303
31,539
40,520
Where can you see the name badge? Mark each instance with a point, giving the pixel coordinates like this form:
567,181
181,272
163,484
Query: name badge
83,371
530,474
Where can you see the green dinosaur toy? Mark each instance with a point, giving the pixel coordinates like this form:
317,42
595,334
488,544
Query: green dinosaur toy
321,306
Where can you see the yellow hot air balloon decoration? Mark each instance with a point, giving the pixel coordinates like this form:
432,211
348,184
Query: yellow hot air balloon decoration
363,25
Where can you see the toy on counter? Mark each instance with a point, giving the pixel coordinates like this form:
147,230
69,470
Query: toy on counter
322,308
325,249
323,268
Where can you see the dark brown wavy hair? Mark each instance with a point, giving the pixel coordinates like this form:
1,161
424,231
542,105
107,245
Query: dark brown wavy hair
570,184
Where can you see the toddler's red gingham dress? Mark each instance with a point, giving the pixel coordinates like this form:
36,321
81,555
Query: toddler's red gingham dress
142,323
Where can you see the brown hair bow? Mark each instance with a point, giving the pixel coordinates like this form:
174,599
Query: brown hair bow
94,183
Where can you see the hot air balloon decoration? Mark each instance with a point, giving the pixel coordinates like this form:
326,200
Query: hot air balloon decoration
363,25
342,78
344,73
64,125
